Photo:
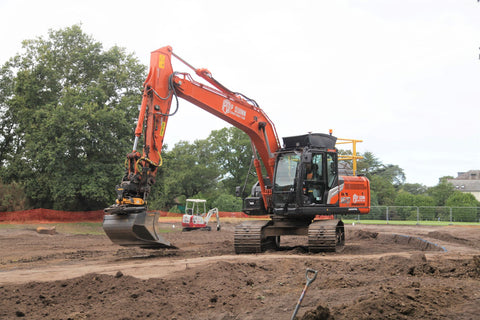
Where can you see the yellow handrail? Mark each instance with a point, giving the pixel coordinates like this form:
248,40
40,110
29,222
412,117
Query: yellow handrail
354,156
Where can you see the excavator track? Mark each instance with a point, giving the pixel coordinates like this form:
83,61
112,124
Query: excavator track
326,236
249,238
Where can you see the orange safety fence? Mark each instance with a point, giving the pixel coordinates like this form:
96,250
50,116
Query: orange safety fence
222,214
49,215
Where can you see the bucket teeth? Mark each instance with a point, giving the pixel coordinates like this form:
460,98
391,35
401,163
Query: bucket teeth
134,229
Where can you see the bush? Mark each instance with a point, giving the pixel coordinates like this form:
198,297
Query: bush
228,203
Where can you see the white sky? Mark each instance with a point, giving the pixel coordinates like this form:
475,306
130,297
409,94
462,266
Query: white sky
402,75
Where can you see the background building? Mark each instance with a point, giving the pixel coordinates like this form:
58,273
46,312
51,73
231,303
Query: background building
468,182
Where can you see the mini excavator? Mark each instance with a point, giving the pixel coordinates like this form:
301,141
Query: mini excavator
297,183
196,216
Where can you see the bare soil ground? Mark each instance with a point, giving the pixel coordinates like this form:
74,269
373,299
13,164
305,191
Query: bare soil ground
384,272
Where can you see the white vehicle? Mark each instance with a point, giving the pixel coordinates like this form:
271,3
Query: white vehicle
197,217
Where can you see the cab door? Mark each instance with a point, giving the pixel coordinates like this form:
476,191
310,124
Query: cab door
314,180
320,179
332,190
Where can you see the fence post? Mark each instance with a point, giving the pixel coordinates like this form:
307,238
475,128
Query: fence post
418,216
386,213
451,216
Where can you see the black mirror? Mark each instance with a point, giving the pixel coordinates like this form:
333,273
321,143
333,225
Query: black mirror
238,191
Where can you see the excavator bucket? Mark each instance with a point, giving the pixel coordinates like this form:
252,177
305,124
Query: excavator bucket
134,229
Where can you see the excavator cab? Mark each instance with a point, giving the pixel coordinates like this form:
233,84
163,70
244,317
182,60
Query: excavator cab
306,178
306,175
307,183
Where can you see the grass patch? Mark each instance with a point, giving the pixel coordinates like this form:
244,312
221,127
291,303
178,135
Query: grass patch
412,223
93,228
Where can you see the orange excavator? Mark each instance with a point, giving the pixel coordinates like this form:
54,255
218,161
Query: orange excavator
296,183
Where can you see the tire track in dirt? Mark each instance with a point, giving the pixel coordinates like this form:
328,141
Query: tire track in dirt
161,268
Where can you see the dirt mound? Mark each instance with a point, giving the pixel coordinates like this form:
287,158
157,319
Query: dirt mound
412,241
405,302
379,275
362,234
265,289
99,297
445,236
320,313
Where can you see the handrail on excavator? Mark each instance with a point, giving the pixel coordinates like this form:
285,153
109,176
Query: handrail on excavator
354,155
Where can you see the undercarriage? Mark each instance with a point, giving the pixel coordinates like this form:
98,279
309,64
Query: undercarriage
258,236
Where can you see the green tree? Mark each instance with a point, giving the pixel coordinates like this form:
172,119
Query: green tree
187,170
385,180
209,168
67,113
462,199
382,191
404,199
369,164
414,188
412,202
422,200
392,173
231,150
469,204
441,192
13,198
417,200
227,202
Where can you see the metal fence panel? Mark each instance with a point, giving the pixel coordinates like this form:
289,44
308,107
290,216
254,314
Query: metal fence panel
420,214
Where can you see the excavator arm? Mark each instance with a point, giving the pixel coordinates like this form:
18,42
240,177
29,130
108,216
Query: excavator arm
161,87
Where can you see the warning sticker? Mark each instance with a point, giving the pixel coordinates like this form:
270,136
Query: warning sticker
161,61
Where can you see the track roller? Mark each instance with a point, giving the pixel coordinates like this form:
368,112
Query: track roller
326,236
249,237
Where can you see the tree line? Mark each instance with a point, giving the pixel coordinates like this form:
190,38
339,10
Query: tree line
67,113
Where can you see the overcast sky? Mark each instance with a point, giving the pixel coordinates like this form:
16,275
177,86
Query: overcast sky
401,75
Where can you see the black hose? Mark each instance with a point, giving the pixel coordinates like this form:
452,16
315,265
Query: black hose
171,89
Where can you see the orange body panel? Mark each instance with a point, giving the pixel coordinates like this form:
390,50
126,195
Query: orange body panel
355,193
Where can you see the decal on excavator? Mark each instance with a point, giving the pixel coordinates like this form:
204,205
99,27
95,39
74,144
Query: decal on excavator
162,130
228,107
345,200
161,61
358,199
